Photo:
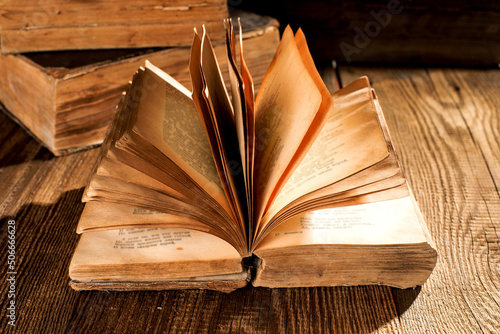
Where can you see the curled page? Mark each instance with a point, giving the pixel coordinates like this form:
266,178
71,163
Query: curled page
290,110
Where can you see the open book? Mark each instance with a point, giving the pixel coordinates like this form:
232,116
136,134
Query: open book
213,189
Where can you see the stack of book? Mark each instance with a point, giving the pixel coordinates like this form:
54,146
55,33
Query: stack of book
201,182
63,66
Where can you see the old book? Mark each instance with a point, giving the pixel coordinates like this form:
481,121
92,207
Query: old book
104,24
213,189
67,99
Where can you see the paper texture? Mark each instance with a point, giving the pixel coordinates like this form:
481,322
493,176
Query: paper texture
387,222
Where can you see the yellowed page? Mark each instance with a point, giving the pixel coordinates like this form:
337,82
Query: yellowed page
249,119
221,113
248,87
238,97
150,254
119,189
350,141
168,119
388,222
201,101
390,188
111,168
316,124
105,216
211,99
376,175
286,105
110,190
242,100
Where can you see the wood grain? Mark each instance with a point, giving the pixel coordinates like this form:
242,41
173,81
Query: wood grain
25,87
445,125
68,103
106,37
42,194
76,25
36,14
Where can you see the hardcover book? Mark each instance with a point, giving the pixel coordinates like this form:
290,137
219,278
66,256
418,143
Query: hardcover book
214,189
35,25
67,99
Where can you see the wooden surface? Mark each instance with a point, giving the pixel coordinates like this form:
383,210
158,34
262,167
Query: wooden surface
445,124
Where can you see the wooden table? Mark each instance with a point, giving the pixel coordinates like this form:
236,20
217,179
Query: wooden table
445,124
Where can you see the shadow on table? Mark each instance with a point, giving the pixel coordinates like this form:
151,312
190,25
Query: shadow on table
17,145
45,239
45,242
404,298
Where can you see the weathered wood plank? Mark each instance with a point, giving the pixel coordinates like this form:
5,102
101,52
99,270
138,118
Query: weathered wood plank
445,126
42,193
20,160
447,138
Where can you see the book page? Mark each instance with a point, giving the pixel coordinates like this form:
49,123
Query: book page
109,190
243,102
350,141
317,123
168,119
383,175
104,216
388,222
222,117
390,188
286,106
110,167
151,254
98,216
248,87
212,101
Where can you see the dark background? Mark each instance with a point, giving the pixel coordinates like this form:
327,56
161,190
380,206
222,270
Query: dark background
442,33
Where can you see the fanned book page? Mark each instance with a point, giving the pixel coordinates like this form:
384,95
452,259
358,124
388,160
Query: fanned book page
215,188
152,254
